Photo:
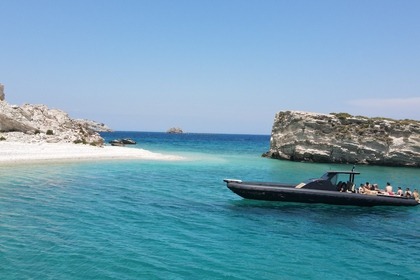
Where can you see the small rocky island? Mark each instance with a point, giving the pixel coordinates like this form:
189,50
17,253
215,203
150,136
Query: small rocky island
343,138
39,124
175,130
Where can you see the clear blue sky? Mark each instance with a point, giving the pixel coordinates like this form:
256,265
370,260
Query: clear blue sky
211,66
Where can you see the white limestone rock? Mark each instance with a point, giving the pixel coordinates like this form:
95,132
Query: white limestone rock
38,124
342,138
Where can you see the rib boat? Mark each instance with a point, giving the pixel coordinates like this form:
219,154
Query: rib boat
334,187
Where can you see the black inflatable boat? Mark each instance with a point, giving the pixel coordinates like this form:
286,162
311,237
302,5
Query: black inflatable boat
334,187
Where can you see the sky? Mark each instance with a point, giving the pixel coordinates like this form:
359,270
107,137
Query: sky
211,66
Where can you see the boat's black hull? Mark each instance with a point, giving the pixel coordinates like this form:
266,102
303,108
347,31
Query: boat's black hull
276,192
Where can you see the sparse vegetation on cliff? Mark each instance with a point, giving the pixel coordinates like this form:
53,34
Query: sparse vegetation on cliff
343,138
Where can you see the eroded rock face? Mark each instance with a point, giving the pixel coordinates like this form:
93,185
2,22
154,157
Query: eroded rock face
38,123
342,138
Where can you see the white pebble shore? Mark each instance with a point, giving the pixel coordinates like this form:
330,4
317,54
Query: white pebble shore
17,152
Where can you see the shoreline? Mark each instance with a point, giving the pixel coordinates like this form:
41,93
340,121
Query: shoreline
17,152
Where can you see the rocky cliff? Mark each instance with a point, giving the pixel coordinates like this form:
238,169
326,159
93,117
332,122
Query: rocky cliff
38,123
342,138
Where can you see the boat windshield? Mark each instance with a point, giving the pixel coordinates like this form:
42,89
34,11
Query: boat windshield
334,178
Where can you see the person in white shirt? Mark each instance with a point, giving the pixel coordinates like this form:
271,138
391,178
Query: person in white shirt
388,189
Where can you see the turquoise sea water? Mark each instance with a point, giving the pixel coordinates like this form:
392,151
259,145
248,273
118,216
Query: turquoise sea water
137,219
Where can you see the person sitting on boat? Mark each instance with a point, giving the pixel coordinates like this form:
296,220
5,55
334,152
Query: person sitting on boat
407,193
350,187
366,189
400,192
388,189
375,187
361,189
416,195
369,189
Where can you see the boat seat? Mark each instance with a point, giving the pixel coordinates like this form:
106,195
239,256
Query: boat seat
344,187
350,187
300,185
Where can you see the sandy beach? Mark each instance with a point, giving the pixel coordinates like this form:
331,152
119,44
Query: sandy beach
15,152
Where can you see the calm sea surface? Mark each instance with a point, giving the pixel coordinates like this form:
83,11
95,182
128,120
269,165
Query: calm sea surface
138,219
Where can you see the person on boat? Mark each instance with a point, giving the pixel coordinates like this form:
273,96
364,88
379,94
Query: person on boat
375,189
369,189
388,189
400,191
416,195
407,193
361,189
366,188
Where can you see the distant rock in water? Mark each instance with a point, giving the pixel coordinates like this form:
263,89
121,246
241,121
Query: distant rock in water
37,124
342,138
175,130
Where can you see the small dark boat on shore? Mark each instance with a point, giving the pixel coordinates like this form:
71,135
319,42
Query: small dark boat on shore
116,142
122,142
128,141
334,187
